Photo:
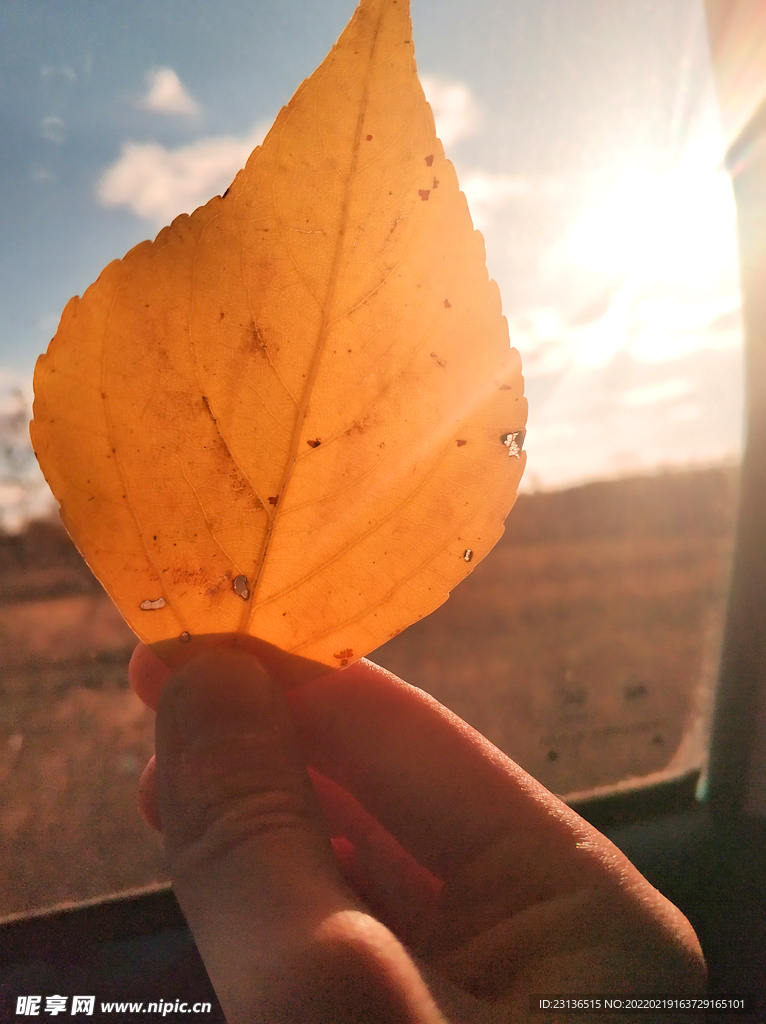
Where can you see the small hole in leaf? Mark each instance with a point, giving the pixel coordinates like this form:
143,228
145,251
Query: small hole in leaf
514,442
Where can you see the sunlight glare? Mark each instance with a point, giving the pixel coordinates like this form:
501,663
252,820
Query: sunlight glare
676,230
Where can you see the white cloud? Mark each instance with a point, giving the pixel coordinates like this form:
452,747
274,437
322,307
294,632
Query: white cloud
543,339
53,129
167,94
659,391
486,193
602,422
62,72
158,182
456,113
41,175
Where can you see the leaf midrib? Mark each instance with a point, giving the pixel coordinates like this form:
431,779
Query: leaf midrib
249,610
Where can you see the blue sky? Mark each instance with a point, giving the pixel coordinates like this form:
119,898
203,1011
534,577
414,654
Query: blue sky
585,134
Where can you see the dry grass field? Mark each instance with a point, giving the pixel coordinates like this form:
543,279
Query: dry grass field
584,646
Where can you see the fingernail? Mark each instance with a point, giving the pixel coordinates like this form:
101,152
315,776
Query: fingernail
216,695
221,720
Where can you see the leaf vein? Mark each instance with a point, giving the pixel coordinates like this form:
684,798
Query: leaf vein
118,461
248,612
399,583
361,537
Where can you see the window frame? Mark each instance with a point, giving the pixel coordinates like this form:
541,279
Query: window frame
728,797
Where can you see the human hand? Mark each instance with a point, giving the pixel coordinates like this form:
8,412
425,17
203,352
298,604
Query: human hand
414,874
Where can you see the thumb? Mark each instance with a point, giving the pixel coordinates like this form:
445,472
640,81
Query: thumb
282,936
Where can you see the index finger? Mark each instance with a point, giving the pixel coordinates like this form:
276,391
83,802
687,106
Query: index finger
148,673
442,788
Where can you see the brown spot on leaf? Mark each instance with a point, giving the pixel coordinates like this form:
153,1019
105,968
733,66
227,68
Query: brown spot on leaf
314,443
447,304
369,138
186,576
429,160
274,500
633,689
256,342
439,361
461,443
344,656
241,587
360,426
506,387
424,193
436,183
185,637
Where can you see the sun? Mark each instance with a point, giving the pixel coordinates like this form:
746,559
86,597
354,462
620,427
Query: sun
676,230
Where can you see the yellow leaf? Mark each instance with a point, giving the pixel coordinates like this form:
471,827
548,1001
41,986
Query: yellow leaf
294,415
